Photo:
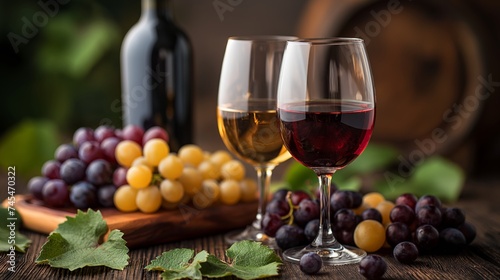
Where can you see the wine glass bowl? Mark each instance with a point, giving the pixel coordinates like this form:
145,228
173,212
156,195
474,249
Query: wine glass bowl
246,114
326,108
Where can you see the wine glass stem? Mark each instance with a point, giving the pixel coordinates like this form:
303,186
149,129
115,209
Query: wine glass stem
325,236
264,174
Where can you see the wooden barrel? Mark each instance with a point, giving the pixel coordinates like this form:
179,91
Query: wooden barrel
429,65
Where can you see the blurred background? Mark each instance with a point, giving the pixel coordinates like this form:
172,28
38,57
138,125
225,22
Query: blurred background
436,68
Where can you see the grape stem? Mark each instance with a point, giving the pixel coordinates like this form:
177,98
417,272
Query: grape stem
292,208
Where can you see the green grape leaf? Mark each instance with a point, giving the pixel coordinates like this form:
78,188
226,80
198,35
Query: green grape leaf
76,244
249,260
175,264
10,237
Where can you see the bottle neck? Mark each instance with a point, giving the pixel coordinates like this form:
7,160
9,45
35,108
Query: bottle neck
156,9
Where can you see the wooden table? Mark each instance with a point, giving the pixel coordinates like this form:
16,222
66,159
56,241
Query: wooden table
480,260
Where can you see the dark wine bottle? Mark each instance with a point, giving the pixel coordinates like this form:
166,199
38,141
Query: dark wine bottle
156,69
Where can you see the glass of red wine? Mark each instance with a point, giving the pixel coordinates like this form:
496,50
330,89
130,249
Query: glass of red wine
246,115
326,109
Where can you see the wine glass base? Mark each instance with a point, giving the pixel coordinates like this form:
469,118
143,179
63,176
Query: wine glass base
250,233
330,256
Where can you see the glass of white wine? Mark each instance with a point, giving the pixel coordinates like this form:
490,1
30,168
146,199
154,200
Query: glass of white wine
246,114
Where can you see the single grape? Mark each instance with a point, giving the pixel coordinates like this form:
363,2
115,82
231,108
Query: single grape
426,237
126,152
220,157
372,266
191,154
230,192
90,151
108,148
120,176
73,170
83,195
407,199
280,194
209,170
83,134
35,186
289,236
171,167
155,150
133,133
103,132
233,169
124,199
344,219
405,252
142,161
248,190
311,230
452,239
209,194
402,213
345,237
396,233
385,208
429,214
270,224
55,193
297,196
191,179
427,200
280,207
139,176
171,190
453,217
307,210
51,169
100,172
65,152
105,195
155,132
310,263
148,199
468,230
373,199
371,214
345,199
369,235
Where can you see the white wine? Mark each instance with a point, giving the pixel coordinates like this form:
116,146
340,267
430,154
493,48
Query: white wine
253,134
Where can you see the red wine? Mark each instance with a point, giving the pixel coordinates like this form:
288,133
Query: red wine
156,60
326,134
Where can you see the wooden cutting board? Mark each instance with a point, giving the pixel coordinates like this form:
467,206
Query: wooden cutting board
142,229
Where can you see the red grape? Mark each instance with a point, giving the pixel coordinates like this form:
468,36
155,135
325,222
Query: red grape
65,152
280,207
120,177
90,151
311,230
108,147
344,219
271,223
73,170
51,169
83,195
453,217
468,230
402,213
307,210
429,214
405,252
55,193
371,214
310,263
83,134
155,132
427,237
99,172
427,200
103,132
105,195
407,199
35,186
298,196
396,233
289,236
372,266
133,133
